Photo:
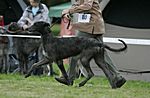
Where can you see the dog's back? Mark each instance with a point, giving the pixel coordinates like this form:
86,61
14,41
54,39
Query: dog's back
65,47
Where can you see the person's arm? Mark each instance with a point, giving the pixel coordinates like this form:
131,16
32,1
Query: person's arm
75,4
22,21
45,16
87,5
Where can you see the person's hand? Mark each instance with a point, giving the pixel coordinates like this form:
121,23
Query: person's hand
66,16
29,21
66,11
25,27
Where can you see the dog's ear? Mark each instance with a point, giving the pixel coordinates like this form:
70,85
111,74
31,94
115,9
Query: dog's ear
13,26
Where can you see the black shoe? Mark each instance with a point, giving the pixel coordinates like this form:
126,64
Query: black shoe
63,81
27,75
119,83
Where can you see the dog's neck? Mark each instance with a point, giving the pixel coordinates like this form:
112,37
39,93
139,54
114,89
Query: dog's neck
46,32
47,35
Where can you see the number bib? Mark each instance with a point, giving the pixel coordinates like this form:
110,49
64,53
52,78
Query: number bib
84,18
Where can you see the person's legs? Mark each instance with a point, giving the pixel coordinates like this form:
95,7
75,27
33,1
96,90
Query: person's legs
107,57
82,70
76,67
79,66
118,80
10,45
12,51
110,70
113,77
73,70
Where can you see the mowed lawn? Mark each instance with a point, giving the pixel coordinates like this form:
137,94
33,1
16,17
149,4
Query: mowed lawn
16,86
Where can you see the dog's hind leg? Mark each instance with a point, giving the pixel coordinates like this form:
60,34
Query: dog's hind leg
44,61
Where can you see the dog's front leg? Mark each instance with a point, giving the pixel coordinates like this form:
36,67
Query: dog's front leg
63,71
35,65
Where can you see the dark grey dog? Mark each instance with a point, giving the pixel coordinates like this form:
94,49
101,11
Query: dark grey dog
25,47
57,49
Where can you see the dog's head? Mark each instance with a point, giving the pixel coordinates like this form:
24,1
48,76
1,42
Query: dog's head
41,27
13,27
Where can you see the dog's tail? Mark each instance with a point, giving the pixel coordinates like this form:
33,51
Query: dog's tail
117,50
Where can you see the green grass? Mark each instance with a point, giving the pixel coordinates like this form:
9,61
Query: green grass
16,86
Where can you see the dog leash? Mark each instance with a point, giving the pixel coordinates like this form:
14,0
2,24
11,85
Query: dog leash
54,23
134,72
62,17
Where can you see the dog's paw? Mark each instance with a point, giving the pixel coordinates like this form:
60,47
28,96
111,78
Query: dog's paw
27,75
64,81
81,84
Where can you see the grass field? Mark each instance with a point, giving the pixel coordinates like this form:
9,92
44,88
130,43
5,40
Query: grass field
16,86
